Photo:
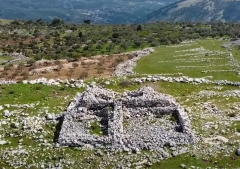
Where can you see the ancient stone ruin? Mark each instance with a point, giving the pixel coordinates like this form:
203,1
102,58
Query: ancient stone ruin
133,121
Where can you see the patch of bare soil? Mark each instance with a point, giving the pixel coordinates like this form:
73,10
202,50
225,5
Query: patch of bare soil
95,66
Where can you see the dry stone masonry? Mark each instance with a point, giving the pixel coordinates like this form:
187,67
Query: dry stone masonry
133,121
126,68
184,79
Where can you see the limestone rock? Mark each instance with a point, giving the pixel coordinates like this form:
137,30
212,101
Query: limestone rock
126,68
50,117
238,152
2,142
6,113
101,118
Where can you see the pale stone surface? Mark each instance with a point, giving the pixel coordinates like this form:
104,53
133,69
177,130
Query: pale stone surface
126,68
144,128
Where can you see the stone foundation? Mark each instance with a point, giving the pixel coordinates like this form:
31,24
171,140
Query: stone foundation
135,120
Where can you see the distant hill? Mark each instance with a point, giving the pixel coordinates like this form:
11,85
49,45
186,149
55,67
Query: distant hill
99,11
197,10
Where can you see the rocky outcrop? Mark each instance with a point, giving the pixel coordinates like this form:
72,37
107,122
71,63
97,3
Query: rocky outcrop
132,121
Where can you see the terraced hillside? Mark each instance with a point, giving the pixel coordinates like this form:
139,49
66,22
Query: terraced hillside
194,59
199,74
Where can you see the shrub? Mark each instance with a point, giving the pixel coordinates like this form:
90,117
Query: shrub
100,70
7,67
126,83
83,75
74,65
119,60
232,114
38,87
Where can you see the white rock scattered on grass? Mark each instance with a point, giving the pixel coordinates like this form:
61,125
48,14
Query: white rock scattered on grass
56,145
15,125
3,142
182,166
238,152
3,122
3,82
107,83
88,147
6,113
50,117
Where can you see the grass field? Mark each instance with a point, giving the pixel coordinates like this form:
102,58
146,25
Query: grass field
4,59
31,103
200,58
55,99
197,59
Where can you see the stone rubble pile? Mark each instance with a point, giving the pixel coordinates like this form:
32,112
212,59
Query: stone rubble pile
149,78
51,82
201,49
230,43
210,93
184,79
4,82
209,108
181,79
71,83
133,121
126,68
16,57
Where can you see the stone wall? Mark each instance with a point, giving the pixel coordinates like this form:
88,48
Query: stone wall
139,108
115,123
126,68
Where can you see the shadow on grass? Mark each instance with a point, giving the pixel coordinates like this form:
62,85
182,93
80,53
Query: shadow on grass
58,129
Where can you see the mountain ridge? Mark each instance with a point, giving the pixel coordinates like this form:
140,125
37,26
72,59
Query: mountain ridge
197,10
98,11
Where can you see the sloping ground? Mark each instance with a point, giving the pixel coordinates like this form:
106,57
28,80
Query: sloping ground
138,108
76,11
197,11
83,68
96,66
27,136
200,58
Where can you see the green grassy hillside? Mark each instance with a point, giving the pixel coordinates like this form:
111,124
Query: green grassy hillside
197,59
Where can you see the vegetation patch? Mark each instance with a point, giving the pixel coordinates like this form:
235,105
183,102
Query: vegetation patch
200,58
30,138
189,161
95,128
236,126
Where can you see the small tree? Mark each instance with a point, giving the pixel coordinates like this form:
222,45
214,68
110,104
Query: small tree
115,35
137,43
110,47
74,65
56,22
124,45
39,20
99,47
87,21
83,75
80,34
139,28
